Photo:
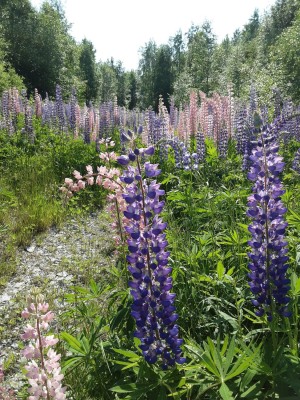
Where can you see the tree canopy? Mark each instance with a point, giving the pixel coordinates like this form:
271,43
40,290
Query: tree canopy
38,51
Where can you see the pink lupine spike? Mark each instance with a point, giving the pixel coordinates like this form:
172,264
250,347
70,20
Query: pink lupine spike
43,369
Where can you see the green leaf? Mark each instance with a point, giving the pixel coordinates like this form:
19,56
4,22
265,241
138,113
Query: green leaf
253,390
220,269
136,390
295,283
72,362
93,286
198,351
169,178
208,361
203,210
247,378
243,226
243,362
86,345
229,356
119,318
225,393
127,364
225,345
126,353
216,356
233,322
126,388
204,278
74,344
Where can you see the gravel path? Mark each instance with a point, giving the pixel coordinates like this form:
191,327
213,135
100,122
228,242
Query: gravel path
53,262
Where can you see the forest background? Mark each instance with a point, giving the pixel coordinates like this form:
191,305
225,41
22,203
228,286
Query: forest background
37,51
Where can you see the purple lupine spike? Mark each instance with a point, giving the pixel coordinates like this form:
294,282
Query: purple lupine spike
223,143
87,129
5,107
172,113
38,103
296,162
186,157
59,108
268,256
158,130
183,158
241,132
248,145
151,121
194,161
175,145
46,111
73,104
200,146
28,129
15,108
297,123
112,122
264,113
153,304
104,120
123,139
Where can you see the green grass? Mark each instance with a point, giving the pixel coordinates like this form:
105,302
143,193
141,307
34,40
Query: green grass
31,176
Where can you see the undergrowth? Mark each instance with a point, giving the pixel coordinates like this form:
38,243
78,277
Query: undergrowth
30,178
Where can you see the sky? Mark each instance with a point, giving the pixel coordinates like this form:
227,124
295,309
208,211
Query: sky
120,28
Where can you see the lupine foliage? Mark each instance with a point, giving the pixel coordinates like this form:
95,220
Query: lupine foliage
203,299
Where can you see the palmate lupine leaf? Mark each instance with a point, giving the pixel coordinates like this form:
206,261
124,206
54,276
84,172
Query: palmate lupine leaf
133,359
223,363
150,380
293,219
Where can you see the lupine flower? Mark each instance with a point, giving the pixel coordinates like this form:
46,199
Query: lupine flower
59,108
200,146
174,143
241,130
43,370
296,162
87,128
223,143
28,129
195,159
108,178
186,157
153,304
73,106
268,256
38,103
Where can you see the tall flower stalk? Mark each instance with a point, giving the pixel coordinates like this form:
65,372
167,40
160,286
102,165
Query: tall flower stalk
268,256
43,370
153,304
108,178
